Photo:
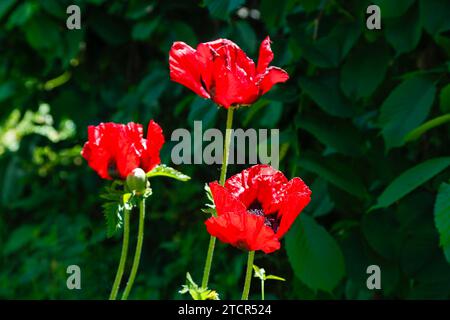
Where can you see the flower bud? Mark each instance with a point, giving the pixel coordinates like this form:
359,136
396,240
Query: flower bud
137,180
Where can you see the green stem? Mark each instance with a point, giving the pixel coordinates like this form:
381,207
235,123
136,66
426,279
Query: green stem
226,148
223,175
123,255
209,257
262,289
137,254
248,275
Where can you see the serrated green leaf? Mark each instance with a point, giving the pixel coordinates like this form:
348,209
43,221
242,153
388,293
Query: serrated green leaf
112,212
165,171
442,217
311,252
410,180
196,292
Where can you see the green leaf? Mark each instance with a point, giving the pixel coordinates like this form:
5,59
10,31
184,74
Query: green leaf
360,76
321,204
163,170
221,9
196,292
435,15
403,33
111,29
391,8
144,29
337,134
274,16
382,233
272,277
5,5
113,217
314,255
245,35
330,50
259,272
42,33
271,115
334,102
18,238
183,32
336,172
22,14
419,131
410,180
310,5
442,217
204,110
7,90
444,99
406,107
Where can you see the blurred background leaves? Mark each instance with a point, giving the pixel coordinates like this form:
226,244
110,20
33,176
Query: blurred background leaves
364,120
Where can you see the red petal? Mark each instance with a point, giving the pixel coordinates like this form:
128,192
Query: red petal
96,151
259,182
232,83
244,231
224,201
115,147
298,197
265,56
127,148
152,146
184,68
96,159
272,76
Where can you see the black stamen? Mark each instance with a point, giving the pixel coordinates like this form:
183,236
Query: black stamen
270,220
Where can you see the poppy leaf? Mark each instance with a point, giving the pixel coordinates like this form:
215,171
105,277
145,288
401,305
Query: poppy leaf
314,255
165,171
406,107
113,217
410,180
442,217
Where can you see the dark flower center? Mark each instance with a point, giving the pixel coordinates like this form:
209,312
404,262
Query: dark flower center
270,220
112,169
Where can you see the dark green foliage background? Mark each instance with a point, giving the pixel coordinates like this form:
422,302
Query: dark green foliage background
353,96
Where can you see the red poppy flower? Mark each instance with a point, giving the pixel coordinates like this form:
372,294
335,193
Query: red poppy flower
114,150
221,71
256,208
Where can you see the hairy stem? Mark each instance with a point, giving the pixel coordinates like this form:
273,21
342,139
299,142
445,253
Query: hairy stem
223,175
123,255
137,254
248,275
